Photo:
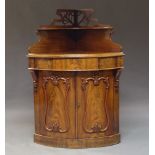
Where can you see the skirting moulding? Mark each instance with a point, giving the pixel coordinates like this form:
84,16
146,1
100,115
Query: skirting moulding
75,68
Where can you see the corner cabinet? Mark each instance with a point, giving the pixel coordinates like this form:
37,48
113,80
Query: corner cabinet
76,94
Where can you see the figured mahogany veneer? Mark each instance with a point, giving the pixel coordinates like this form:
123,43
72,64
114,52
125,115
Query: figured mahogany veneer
75,71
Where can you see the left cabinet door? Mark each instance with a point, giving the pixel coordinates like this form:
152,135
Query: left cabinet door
54,100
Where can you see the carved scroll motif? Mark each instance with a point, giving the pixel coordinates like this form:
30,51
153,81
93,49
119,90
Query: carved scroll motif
117,75
34,77
97,126
54,126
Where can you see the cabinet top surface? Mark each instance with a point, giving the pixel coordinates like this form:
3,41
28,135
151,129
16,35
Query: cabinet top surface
67,55
96,27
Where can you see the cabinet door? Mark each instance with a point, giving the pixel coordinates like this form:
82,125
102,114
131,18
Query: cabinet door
54,104
95,104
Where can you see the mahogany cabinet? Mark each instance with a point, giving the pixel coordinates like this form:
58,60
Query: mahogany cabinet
75,68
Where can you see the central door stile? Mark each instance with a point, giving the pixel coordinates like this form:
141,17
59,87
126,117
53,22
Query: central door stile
76,105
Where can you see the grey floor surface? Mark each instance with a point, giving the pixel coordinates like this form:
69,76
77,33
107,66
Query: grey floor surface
133,128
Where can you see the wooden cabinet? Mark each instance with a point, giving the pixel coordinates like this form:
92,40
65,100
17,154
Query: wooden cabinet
76,92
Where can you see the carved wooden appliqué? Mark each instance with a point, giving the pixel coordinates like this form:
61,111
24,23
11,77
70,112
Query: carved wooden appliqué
55,126
96,126
34,78
117,75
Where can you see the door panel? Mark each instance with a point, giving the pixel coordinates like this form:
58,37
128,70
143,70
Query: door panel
95,102
57,98
75,104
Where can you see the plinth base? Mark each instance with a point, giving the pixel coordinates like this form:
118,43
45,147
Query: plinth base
77,143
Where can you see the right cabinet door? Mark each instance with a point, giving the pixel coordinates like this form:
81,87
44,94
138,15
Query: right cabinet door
95,102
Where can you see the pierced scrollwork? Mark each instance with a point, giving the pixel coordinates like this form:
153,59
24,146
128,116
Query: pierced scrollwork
74,17
97,126
55,126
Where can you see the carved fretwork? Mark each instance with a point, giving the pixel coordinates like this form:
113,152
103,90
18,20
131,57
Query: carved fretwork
34,77
117,75
54,126
74,17
97,126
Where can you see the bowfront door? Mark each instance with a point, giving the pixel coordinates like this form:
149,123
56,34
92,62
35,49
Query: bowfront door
95,104
75,104
54,104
